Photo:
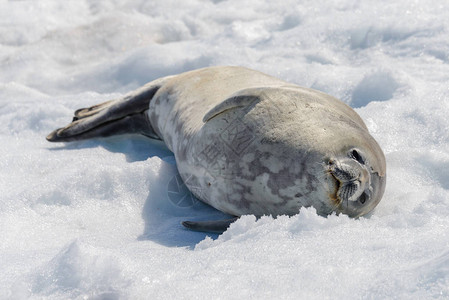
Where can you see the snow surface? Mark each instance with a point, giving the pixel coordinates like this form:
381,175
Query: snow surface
100,219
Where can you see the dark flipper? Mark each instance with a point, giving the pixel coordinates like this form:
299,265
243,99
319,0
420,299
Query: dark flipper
210,226
125,115
135,123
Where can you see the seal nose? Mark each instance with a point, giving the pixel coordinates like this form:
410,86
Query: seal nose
347,171
353,178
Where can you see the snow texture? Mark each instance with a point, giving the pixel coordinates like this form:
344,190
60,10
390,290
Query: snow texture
100,219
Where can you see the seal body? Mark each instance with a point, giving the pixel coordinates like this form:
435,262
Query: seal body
248,143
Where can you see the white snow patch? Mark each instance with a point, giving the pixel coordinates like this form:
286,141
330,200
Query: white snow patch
93,219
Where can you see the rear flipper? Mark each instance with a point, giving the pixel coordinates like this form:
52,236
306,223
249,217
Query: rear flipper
210,226
125,115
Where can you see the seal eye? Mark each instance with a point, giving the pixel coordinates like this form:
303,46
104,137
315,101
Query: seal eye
357,156
363,198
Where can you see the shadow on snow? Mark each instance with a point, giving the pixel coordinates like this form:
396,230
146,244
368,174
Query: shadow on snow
169,202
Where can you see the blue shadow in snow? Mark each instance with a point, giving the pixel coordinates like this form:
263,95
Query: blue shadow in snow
134,147
169,202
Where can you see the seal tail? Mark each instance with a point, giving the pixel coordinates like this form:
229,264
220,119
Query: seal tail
120,116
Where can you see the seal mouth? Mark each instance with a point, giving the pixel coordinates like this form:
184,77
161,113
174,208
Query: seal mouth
335,187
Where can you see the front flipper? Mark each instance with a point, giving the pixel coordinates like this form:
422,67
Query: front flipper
219,226
231,103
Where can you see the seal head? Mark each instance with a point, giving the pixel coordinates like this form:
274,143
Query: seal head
357,185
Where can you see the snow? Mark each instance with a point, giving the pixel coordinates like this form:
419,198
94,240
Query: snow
100,219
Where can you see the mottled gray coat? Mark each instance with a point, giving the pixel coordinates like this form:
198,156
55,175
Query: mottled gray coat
248,143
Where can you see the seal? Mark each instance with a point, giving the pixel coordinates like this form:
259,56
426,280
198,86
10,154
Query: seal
248,143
